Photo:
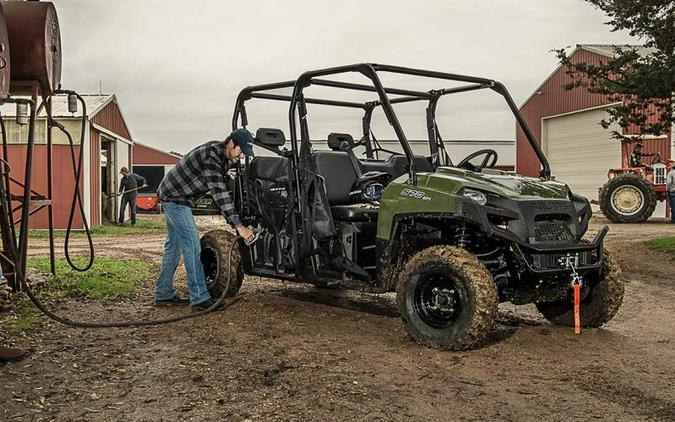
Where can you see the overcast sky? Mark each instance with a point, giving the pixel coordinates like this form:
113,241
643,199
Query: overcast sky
177,66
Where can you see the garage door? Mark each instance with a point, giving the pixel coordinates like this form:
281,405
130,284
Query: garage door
580,151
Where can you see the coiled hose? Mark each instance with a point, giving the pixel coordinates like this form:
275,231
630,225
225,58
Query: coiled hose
141,323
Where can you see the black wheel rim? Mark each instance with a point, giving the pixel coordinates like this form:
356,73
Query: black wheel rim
209,259
437,300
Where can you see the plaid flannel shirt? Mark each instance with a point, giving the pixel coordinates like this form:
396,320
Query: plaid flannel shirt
202,170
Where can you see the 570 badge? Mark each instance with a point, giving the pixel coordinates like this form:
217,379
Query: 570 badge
415,194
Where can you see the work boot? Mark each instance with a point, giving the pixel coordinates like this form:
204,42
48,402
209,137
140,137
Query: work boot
206,305
11,353
174,301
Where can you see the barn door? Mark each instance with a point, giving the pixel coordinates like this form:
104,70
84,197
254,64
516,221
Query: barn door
109,199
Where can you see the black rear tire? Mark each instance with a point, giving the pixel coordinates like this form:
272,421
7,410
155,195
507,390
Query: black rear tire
447,298
598,307
215,247
627,198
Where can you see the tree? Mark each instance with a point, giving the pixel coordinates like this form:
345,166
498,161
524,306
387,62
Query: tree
642,79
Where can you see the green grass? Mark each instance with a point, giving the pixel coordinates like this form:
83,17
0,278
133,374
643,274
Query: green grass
27,320
112,230
662,244
108,278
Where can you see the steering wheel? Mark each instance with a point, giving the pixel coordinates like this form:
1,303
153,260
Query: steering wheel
489,161
657,158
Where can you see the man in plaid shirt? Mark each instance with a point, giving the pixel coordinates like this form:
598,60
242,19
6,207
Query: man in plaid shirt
202,170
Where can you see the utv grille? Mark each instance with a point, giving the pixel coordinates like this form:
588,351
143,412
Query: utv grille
557,261
552,231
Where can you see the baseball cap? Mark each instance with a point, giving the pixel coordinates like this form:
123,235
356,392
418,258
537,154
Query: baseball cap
244,139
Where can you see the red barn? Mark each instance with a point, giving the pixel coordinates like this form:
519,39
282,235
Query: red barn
566,125
107,147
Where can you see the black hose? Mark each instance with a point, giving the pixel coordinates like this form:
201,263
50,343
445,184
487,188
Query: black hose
140,323
77,198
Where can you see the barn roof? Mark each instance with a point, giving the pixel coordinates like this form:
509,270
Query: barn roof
606,50
94,103
171,154
609,50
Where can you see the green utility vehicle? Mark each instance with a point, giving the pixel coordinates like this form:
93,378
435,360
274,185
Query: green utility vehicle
452,240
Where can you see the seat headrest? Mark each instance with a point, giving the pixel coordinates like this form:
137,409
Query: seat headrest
270,137
335,140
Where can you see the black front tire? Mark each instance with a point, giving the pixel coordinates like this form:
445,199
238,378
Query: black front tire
627,198
215,246
599,306
447,298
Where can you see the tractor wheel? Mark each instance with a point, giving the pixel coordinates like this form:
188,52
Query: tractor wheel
447,298
214,256
627,198
598,307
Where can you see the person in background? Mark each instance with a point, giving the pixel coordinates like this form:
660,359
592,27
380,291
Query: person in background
129,187
205,169
637,154
670,191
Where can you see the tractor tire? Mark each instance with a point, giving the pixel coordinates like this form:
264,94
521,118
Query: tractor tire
627,198
598,307
215,247
447,298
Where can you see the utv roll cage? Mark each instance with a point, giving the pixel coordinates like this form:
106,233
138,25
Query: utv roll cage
298,107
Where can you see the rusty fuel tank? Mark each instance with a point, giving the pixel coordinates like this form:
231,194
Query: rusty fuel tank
4,58
34,45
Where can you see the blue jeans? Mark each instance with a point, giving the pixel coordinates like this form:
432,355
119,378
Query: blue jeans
671,197
132,206
182,238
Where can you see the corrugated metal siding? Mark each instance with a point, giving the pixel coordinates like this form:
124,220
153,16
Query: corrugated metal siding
62,183
144,155
111,119
652,117
18,134
552,99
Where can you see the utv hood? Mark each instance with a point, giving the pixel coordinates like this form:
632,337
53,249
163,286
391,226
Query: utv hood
506,185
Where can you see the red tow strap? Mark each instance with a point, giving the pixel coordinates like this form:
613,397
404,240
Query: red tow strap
577,311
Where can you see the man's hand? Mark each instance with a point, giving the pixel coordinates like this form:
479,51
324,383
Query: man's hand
246,233
232,173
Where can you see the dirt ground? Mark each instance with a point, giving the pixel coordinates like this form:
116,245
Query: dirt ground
295,352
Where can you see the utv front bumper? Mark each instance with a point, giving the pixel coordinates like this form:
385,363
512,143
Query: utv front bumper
545,235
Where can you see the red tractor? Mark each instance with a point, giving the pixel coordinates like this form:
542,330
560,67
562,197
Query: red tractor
631,193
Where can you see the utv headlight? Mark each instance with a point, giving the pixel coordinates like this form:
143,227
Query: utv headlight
476,195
